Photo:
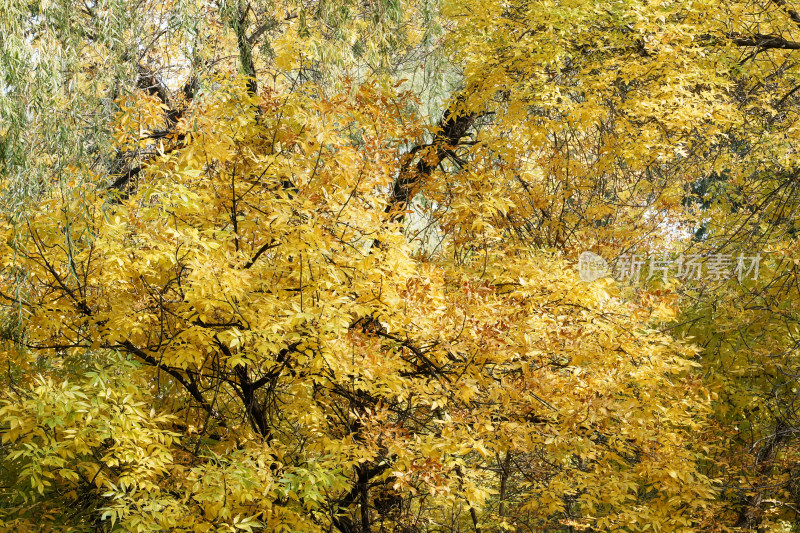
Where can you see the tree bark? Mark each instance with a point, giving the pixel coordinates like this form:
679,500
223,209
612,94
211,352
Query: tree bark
452,127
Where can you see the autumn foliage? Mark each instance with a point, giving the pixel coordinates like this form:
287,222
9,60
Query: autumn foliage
275,291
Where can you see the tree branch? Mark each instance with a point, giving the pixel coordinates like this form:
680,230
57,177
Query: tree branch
191,387
453,125
764,41
794,15
268,246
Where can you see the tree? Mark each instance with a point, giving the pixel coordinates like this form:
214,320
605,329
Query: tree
633,117
285,298
294,346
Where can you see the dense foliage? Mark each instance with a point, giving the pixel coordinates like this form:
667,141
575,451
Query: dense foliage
286,266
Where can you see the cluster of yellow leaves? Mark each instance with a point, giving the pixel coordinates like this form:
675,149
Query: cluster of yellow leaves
300,341
70,439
